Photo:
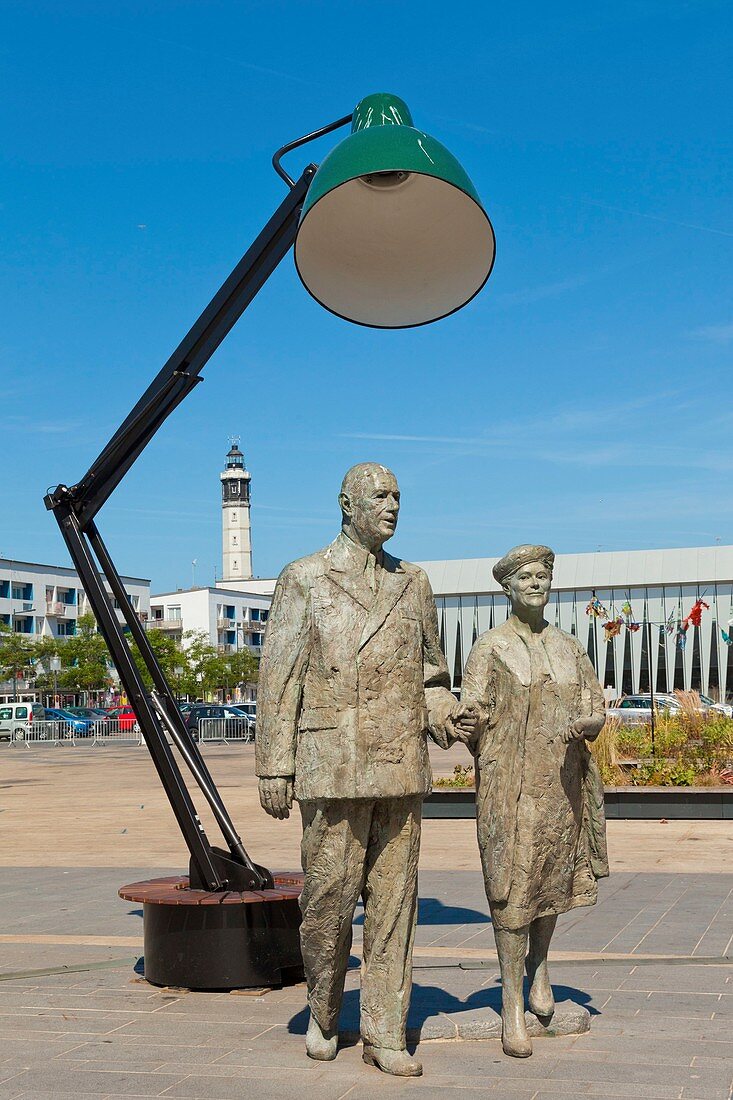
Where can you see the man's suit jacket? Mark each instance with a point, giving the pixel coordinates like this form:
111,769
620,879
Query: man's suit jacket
351,682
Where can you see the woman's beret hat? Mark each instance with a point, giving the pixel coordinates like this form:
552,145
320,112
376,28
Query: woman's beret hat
519,556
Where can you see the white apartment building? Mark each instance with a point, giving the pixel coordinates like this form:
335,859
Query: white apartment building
232,619
48,600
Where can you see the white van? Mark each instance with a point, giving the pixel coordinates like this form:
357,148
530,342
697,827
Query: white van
16,719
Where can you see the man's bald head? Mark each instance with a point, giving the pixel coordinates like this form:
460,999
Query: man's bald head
363,473
370,503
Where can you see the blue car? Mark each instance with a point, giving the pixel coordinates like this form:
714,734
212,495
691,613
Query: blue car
80,727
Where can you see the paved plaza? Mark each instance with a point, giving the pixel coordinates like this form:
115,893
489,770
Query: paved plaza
651,962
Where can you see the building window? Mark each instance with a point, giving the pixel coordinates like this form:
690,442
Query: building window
174,612
255,615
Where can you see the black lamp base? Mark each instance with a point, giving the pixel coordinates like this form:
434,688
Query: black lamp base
205,940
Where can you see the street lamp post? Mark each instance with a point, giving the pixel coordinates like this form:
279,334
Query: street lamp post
55,666
178,673
389,232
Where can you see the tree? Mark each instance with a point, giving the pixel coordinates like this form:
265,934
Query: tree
235,669
85,658
208,671
17,652
168,653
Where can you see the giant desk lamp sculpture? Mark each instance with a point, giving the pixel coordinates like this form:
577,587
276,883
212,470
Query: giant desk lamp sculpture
389,232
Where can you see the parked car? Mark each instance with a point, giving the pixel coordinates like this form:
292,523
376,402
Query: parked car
124,716
94,714
635,710
250,709
16,719
76,725
722,708
233,723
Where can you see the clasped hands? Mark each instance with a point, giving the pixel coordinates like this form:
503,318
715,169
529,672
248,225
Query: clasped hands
276,791
464,722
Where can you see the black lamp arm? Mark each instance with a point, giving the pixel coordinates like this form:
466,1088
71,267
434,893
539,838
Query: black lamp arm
181,373
75,508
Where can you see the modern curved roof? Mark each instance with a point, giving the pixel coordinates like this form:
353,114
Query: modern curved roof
615,569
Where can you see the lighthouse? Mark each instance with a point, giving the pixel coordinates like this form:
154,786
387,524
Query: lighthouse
236,528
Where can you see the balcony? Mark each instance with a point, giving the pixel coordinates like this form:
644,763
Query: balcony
226,648
163,624
56,610
226,624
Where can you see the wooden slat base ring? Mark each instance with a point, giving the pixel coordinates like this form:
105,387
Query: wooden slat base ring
198,939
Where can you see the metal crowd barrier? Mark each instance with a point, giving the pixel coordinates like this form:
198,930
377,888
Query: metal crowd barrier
46,733
226,730
110,732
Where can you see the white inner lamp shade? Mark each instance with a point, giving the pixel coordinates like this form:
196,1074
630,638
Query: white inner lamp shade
395,256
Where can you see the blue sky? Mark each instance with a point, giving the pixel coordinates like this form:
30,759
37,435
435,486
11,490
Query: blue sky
583,399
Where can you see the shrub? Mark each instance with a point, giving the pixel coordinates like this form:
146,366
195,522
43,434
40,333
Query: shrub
605,751
463,776
633,742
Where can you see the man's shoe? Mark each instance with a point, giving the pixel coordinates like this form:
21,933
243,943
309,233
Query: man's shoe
319,1045
397,1062
514,1038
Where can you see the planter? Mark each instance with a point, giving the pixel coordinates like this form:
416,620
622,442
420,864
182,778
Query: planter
629,803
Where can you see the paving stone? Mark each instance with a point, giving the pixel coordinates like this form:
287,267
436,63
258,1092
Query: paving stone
51,1078
654,1029
310,1082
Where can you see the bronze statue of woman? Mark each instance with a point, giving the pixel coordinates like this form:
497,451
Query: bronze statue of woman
539,798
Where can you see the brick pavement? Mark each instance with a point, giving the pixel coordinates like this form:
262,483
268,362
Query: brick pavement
649,962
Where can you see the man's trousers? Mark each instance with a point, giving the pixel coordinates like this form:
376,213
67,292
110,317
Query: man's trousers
367,847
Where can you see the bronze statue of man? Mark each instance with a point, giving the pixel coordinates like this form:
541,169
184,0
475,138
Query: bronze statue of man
352,679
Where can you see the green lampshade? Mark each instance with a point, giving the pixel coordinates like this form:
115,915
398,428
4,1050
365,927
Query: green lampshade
392,232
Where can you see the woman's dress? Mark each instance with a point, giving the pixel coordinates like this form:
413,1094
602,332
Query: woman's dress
540,815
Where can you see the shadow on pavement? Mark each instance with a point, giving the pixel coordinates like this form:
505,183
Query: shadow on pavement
430,1000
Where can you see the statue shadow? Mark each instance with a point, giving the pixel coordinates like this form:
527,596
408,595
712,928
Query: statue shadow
429,1001
432,911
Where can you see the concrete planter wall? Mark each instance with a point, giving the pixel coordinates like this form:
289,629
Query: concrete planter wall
712,803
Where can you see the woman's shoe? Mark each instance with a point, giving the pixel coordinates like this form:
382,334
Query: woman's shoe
514,1038
397,1062
319,1045
541,1000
